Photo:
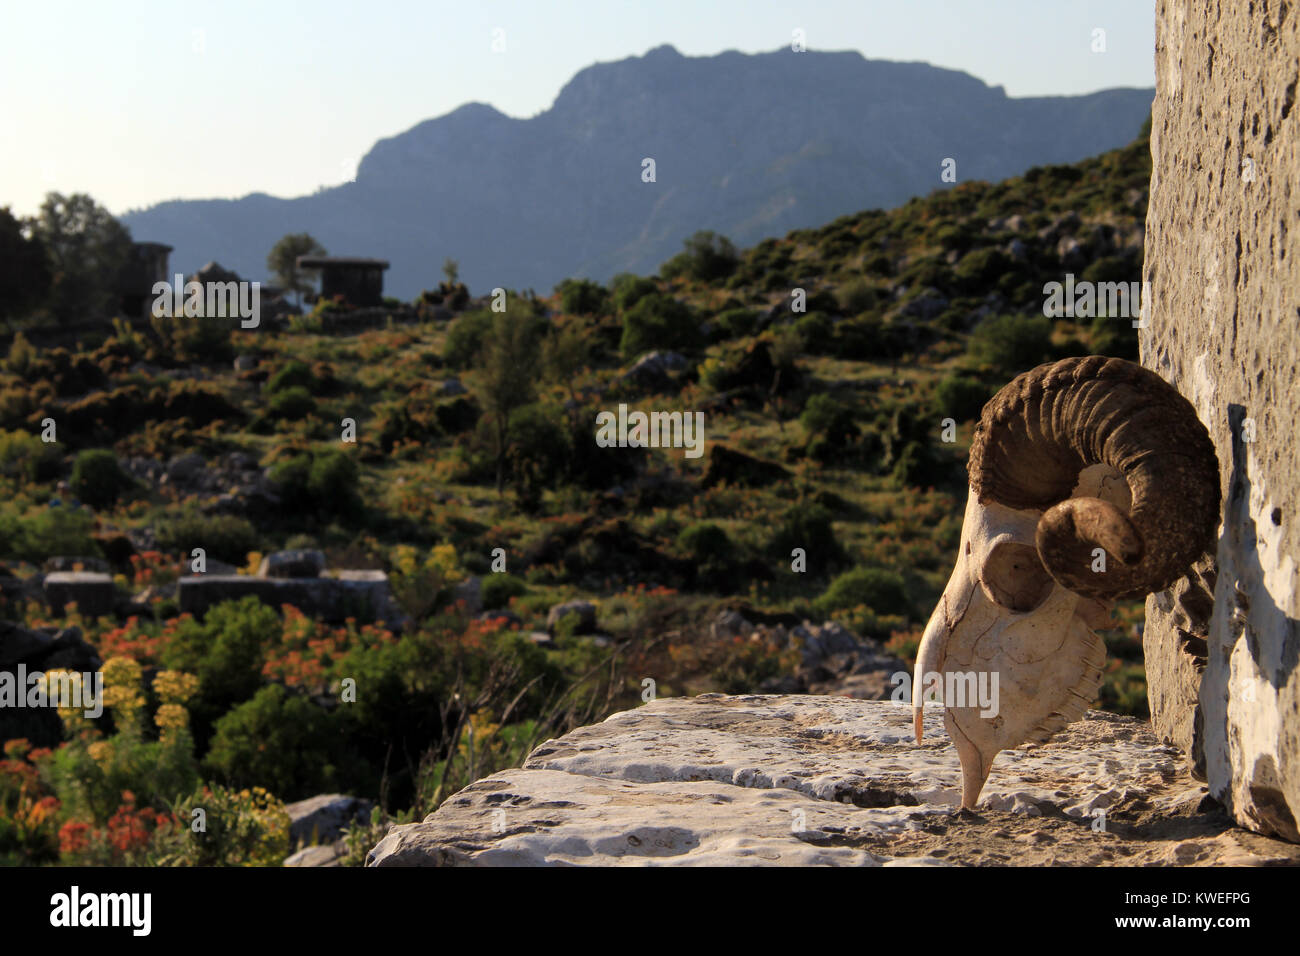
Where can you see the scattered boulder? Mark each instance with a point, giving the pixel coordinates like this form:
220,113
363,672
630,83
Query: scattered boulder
832,659
470,591
36,650
452,386
654,368
321,819
329,854
585,610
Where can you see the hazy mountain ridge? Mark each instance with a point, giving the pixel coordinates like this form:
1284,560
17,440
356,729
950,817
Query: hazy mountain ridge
748,145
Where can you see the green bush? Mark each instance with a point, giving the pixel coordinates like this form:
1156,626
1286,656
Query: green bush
326,482
538,450
226,651
881,590
334,480
807,525
276,740
47,533
961,397
826,417
227,538
25,458
630,289
706,543
857,296
1011,344
735,323
292,403
816,333
583,297
707,257
97,478
466,337
982,268
659,322
294,374
499,588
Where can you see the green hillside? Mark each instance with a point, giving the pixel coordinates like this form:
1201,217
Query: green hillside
824,432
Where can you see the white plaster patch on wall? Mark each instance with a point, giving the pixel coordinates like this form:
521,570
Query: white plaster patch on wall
1254,717
1203,392
1279,568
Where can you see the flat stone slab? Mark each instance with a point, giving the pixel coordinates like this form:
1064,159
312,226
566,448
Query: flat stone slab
92,591
805,780
334,598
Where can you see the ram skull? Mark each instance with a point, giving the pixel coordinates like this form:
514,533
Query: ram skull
1091,480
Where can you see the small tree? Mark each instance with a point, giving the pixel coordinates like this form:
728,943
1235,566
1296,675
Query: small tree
509,368
451,269
87,250
283,262
24,272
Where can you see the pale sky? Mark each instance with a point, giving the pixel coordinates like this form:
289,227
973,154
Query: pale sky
138,101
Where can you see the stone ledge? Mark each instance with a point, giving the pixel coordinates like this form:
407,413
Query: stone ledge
803,780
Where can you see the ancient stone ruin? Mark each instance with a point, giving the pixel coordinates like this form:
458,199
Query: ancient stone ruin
298,578
359,281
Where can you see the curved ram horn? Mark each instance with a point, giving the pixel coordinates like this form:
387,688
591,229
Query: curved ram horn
1047,425
1076,455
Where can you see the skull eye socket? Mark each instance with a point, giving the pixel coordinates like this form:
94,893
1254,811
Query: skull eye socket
1014,578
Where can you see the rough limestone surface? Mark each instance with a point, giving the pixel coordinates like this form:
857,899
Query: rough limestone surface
802,780
1224,327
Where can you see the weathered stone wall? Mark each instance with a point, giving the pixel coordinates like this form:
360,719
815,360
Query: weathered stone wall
1224,311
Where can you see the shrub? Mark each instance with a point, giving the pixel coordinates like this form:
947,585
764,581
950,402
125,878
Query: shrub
498,589
292,403
326,483
26,458
538,450
659,322
466,337
275,739
734,323
807,525
1011,344
856,296
825,417
227,538
816,333
583,297
49,532
706,258
244,828
881,590
711,552
962,397
333,482
982,268
226,650
97,478
630,289
294,374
